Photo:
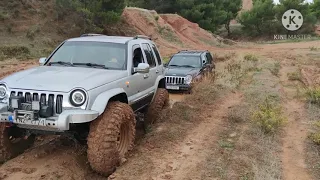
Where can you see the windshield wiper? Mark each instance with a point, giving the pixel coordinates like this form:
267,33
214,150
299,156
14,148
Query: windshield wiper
62,63
92,65
187,66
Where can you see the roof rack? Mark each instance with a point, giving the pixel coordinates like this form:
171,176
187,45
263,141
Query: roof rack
193,51
91,34
142,37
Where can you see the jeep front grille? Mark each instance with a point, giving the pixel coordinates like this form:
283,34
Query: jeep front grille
174,80
52,100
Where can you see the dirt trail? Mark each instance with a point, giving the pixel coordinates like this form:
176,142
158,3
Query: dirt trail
293,156
183,160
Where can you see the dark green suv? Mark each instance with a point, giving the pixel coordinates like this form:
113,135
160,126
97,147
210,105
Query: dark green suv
187,66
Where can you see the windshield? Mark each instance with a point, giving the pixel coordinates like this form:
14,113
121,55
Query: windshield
186,61
90,54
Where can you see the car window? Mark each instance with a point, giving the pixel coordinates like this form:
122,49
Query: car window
149,55
157,54
209,57
186,61
111,55
137,56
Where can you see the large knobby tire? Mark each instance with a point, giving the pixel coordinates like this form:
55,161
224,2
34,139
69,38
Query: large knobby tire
111,137
12,142
160,101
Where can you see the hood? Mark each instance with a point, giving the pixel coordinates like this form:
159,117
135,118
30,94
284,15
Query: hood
62,79
181,71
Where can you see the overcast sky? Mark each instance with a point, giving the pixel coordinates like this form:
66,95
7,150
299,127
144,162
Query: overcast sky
277,1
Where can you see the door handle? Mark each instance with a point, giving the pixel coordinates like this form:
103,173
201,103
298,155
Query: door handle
157,71
145,76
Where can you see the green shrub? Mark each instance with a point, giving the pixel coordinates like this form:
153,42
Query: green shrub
275,69
251,57
31,33
313,48
313,95
315,137
9,27
156,18
14,51
4,16
294,76
268,117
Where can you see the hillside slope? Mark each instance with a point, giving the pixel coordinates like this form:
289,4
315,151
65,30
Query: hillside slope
36,26
171,32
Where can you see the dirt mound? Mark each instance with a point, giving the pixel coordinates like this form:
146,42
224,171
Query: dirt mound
190,33
171,32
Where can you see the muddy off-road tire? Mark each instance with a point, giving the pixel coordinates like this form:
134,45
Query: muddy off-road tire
111,137
160,101
12,142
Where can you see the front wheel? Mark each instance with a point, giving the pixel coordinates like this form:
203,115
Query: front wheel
160,101
13,141
111,137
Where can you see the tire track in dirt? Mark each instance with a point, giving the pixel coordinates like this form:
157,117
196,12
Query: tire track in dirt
293,155
182,161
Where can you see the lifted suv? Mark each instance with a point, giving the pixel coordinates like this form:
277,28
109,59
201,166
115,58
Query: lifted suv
90,86
187,66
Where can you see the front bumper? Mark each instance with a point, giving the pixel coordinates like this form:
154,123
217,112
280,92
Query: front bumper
177,87
55,123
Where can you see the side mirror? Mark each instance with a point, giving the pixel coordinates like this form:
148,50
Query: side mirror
42,61
142,68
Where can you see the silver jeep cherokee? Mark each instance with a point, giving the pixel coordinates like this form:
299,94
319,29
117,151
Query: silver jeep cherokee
91,86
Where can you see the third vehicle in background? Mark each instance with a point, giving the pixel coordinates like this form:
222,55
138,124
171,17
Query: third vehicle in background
186,67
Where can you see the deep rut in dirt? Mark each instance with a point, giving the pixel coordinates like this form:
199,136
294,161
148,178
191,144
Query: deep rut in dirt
182,161
293,156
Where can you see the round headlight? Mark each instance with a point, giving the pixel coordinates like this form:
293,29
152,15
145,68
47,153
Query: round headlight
188,79
78,98
3,92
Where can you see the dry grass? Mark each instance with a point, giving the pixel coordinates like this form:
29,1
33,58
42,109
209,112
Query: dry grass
313,144
295,76
275,69
224,57
235,70
244,151
238,113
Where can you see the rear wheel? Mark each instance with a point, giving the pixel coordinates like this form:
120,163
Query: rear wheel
160,101
13,141
111,137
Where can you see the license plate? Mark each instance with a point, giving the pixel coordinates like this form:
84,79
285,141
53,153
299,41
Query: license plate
39,122
173,87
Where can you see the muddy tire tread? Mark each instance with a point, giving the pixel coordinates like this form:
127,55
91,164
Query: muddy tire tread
103,155
161,100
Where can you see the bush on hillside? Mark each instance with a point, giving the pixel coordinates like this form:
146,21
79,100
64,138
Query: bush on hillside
93,13
7,52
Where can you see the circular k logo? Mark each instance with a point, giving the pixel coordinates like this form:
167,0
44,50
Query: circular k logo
292,20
